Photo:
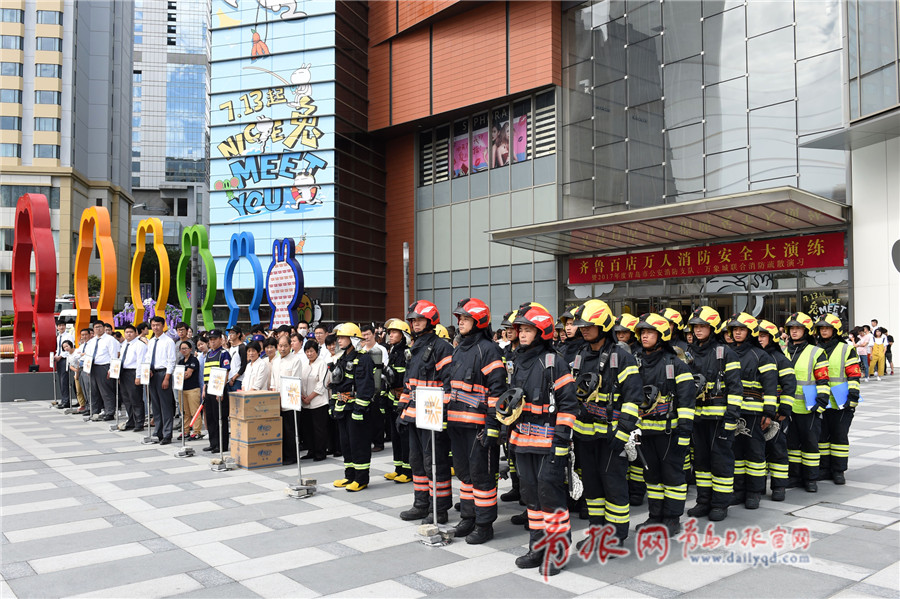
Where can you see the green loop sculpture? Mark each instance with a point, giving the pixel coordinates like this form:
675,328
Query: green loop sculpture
196,236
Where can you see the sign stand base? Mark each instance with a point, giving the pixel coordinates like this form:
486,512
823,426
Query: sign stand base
434,535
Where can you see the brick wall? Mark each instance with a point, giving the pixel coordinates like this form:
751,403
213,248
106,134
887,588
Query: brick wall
400,218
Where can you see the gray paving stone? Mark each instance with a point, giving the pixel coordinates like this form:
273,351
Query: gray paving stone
245,513
224,592
82,541
221,495
210,577
422,584
58,516
120,520
289,539
512,585
82,494
870,589
90,499
276,523
13,570
371,505
366,568
226,502
846,550
647,588
338,549
762,582
157,545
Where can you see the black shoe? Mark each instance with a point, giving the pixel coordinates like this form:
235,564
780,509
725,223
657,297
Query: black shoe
107,418
442,518
793,483
520,519
482,534
717,514
532,559
737,498
839,478
414,513
319,459
138,429
673,525
549,569
211,448
456,506
825,474
778,494
699,510
652,520
378,448
752,501
811,486
636,499
511,495
165,441
583,513
308,456
581,544
464,528
337,454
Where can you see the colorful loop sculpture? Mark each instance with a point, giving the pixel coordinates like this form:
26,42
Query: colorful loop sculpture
284,283
196,236
95,218
154,225
33,235
243,245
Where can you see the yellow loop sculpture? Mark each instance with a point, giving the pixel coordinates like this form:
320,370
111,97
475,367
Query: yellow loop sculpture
155,227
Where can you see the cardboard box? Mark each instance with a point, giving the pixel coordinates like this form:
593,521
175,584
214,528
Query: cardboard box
256,455
258,430
248,405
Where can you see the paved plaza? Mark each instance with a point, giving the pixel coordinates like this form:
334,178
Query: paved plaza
87,512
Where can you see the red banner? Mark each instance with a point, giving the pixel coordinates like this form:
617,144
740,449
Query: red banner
812,251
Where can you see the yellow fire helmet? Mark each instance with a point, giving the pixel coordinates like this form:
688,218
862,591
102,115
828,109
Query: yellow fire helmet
745,320
654,322
397,324
594,312
626,322
708,316
442,332
799,319
830,320
347,329
674,317
769,327
510,405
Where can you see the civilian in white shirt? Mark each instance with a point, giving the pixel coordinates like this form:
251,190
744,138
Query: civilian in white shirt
286,364
238,352
82,379
59,365
297,342
101,349
257,374
130,390
162,357
314,415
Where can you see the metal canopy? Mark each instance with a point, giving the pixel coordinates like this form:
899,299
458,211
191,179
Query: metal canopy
761,213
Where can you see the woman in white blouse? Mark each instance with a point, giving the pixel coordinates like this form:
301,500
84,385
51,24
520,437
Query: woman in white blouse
314,416
256,376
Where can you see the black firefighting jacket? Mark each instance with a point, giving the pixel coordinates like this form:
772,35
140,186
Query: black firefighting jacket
477,379
427,367
672,411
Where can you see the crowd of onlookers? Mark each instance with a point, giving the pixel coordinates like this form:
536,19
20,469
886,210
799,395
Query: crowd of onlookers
873,344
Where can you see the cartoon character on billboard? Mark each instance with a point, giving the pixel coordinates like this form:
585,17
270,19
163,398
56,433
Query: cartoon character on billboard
259,48
300,80
275,6
305,190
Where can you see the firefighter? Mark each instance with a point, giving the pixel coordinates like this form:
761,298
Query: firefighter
427,366
609,389
667,419
625,334
398,337
776,445
717,371
843,379
676,326
354,384
477,379
759,379
810,400
574,342
540,409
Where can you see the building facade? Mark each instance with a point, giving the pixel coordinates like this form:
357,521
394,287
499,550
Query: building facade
170,114
65,99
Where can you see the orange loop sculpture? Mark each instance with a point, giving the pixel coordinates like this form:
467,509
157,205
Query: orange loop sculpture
95,218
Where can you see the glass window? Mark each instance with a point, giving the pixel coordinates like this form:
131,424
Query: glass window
578,40
460,148
768,16
725,106
609,52
7,239
818,93
823,172
773,145
877,46
770,64
181,207
521,131
136,91
442,154
46,151
170,29
685,147
643,22
46,97
500,137
52,44
171,17
139,39
681,22
49,17
135,136
684,92
11,96
42,123
726,172
138,27
609,175
11,123
426,158
645,137
10,194
723,46
135,182
878,90
10,151
135,166
170,41
137,76
545,124
577,92
644,71
609,113
136,107
11,69
819,27
646,187
12,15
48,70
11,42
135,121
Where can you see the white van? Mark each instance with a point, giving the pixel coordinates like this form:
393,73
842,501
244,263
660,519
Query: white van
69,317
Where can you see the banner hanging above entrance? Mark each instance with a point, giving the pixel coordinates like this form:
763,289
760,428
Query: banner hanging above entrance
787,253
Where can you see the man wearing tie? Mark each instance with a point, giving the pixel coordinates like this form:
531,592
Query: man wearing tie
132,355
62,372
162,363
102,348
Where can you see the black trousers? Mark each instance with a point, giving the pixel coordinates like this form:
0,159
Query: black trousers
665,474
162,403
212,406
376,419
62,382
103,390
288,438
360,429
343,426
542,484
750,457
713,462
420,462
777,456
803,446
131,397
314,427
604,476
400,447
475,470
834,441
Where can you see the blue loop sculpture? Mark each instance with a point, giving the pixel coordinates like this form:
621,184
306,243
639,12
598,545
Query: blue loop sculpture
243,246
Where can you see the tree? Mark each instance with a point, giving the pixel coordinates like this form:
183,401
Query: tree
93,285
150,271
